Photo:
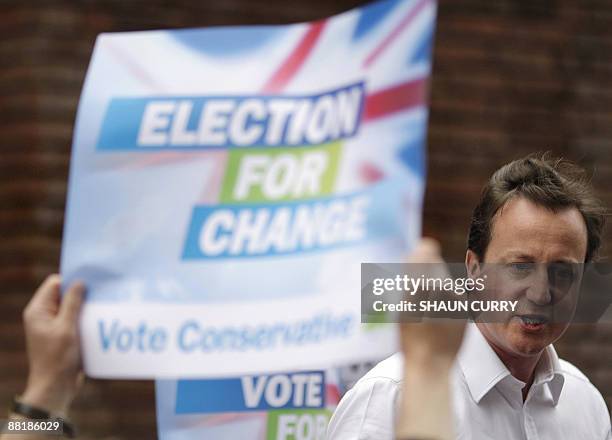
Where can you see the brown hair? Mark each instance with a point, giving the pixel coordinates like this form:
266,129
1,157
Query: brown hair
553,183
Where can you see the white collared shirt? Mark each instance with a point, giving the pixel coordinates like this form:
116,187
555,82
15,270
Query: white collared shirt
487,400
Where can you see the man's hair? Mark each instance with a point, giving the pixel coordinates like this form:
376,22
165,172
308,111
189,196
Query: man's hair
556,184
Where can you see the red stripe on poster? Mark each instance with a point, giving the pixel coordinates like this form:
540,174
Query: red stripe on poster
292,64
394,99
395,33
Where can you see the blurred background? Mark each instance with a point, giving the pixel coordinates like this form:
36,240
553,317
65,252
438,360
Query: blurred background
510,77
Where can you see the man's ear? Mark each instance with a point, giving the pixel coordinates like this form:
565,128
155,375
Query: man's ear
472,264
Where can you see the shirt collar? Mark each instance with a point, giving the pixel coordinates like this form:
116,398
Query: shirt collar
550,372
483,369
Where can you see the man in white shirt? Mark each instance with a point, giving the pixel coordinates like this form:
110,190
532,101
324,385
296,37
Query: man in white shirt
487,400
507,381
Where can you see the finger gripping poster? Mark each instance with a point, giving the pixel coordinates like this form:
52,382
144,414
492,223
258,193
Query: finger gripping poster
226,183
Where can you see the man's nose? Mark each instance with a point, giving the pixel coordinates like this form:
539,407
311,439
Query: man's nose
539,290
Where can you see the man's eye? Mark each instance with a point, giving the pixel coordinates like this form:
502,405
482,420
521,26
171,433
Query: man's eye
521,267
562,272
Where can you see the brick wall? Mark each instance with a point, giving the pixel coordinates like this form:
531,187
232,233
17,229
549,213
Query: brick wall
510,77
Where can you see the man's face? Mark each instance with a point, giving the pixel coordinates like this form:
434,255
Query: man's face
529,244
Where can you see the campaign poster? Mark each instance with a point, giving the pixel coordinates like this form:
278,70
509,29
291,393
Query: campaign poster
278,406
226,183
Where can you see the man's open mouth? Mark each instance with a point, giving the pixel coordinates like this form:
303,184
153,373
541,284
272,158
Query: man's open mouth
533,322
